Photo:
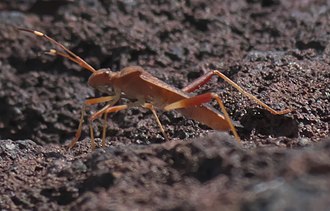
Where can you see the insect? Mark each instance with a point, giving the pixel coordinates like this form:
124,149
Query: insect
147,91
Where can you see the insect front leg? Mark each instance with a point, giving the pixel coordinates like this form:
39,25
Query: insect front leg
92,101
104,111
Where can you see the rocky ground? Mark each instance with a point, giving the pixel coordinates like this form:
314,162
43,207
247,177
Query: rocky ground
277,50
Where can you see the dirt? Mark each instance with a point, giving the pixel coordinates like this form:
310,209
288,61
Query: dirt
277,50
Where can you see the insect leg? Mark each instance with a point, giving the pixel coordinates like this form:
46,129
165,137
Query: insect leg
152,109
107,109
199,82
205,78
112,109
200,99
90,102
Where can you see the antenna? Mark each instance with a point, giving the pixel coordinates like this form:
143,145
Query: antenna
66,54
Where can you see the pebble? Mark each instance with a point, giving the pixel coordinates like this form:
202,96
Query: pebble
10,146
304,142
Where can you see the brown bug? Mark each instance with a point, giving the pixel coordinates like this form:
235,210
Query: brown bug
147,91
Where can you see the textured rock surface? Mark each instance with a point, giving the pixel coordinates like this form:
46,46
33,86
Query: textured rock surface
276,50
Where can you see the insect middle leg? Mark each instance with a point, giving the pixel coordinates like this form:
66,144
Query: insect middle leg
207,77
152,109
111,109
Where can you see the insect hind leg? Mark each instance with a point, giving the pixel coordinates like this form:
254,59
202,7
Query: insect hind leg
200,99
207,77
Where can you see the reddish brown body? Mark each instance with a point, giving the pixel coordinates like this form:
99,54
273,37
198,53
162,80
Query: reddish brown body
137,84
